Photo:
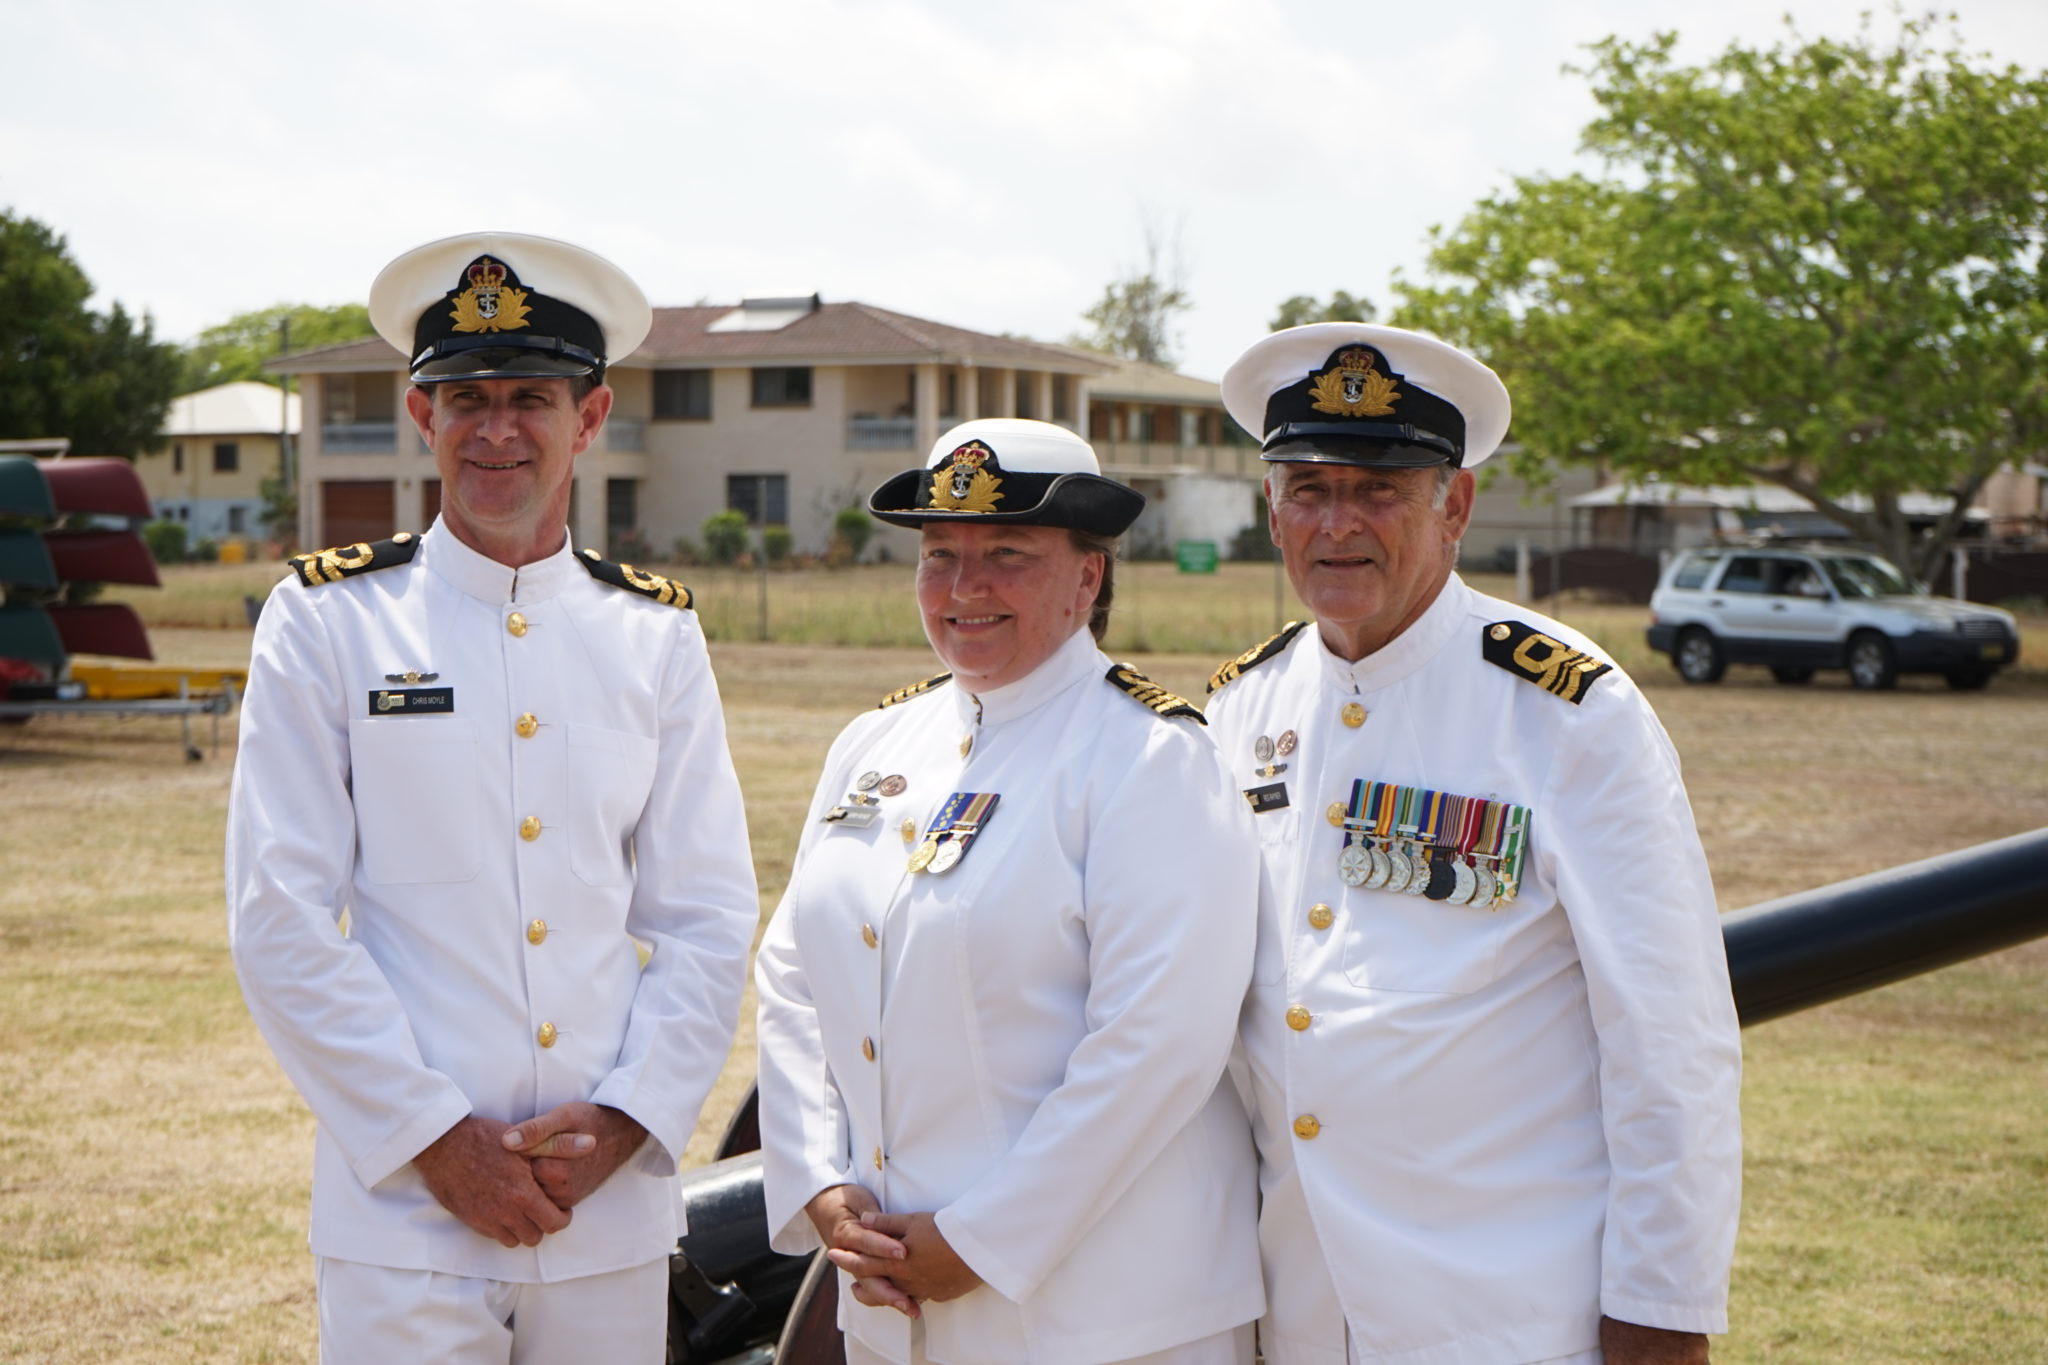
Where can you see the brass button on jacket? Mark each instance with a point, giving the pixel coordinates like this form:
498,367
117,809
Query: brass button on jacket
546,1035
867,1048
529,828
1353,714
516,623
1307,1126
1321,917
528,724
867,935
1298,1018
537,932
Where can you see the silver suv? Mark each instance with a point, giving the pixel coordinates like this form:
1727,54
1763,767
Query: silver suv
1800,610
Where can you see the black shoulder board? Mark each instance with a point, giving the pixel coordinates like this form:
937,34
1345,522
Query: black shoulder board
906,693
1143,690
665,591
1542,659
1256,655
346,561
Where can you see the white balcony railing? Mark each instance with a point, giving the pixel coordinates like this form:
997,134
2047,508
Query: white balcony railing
881,433
625,435
359,438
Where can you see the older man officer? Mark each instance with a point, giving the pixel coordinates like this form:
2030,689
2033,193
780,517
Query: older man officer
1490,1036
488,881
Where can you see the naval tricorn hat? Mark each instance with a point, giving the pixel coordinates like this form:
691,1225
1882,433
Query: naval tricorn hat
1009,469
1355,393
503,305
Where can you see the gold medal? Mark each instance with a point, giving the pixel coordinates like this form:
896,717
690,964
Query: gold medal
921,857
1335,814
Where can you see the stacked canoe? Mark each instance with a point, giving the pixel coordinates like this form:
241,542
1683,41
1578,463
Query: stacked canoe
49,546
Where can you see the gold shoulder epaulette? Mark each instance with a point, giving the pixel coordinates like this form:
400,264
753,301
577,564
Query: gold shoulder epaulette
1256,655
346,561
1542,659
1148,693
666,591
906,693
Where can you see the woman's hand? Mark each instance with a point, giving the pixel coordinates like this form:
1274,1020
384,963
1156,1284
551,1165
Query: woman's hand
839,1214
931,1269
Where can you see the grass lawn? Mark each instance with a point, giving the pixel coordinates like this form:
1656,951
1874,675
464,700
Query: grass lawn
153,1161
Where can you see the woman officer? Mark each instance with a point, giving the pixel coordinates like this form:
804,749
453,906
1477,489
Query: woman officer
999,995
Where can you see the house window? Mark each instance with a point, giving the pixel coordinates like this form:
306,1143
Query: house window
786,386
227,457
1063,398
1025,384
178,457
237,520
763,499
949,400
621,505
683,395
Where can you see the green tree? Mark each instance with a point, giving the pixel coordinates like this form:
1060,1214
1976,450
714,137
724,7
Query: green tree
1821,267
1135,316
1342,307
237,348
100,379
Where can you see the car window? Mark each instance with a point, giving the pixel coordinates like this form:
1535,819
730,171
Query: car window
1693,572
1793,578
1746,573
1859,576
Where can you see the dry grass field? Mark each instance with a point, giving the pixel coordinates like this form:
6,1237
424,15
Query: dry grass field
153,1161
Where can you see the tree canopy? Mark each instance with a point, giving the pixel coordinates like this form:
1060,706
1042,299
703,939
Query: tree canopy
100,379
1135,316
1305,308
1820,266
237,348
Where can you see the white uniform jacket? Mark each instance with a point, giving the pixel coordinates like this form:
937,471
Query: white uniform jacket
1033,1043
1522,1117
499,853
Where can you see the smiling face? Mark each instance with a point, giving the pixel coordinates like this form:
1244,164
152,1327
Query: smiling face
998,600
506,451
1366,549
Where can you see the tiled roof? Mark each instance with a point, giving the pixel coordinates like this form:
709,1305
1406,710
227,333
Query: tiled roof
834,331
1134,381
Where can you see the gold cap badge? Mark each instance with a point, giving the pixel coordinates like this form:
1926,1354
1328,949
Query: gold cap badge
963,485
1354,387
489,304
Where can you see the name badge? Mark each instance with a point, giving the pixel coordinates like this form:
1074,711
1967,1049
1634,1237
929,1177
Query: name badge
413,701
1264,799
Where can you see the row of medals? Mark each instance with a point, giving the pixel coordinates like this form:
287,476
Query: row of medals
1405,865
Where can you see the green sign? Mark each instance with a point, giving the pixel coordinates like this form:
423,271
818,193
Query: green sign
1195,556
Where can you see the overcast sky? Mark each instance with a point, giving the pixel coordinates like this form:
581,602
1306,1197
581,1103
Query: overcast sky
987,164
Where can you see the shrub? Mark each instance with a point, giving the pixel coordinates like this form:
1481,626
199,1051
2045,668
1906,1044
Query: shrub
166,541
631,547
206,551
684,551
725,537
776,543
852,527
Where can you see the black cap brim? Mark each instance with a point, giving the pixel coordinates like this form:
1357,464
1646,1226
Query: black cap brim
1301,447
1077,502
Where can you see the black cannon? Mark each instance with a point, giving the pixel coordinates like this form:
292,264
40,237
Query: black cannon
733,1301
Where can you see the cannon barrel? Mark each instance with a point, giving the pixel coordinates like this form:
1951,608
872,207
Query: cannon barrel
1804,950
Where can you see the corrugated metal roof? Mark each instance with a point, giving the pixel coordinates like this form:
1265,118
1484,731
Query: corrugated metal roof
244,407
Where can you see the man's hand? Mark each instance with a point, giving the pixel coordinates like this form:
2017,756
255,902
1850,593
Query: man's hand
932,1269
492,1190
1626,1343
837,1215
575,1147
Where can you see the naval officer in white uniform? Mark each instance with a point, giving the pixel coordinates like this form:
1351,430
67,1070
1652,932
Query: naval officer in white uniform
488,881
998,999
1494,1055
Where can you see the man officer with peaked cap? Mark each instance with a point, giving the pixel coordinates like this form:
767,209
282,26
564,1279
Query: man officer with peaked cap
489,889
1490,1036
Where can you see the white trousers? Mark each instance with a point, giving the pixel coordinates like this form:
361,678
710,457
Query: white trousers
378,1315
1225,1348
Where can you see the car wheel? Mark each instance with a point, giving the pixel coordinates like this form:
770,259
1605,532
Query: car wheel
1872,666
1968,679
1698,657
1791,677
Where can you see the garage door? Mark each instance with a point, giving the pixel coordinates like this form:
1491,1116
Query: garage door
356,509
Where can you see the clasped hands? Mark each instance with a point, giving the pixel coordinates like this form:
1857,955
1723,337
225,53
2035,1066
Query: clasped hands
897,1260
516,1183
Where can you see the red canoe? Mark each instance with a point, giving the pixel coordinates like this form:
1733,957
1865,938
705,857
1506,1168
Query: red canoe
96,483
102,628
101,557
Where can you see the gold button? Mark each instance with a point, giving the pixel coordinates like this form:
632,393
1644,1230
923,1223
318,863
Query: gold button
867,1048
1297,1018
402,538
867,935
966,743
1353,714
1321,917
545,1036
1500,632
909,830
878,1158
528,723
1307,1127
516,623
529,828
537,932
